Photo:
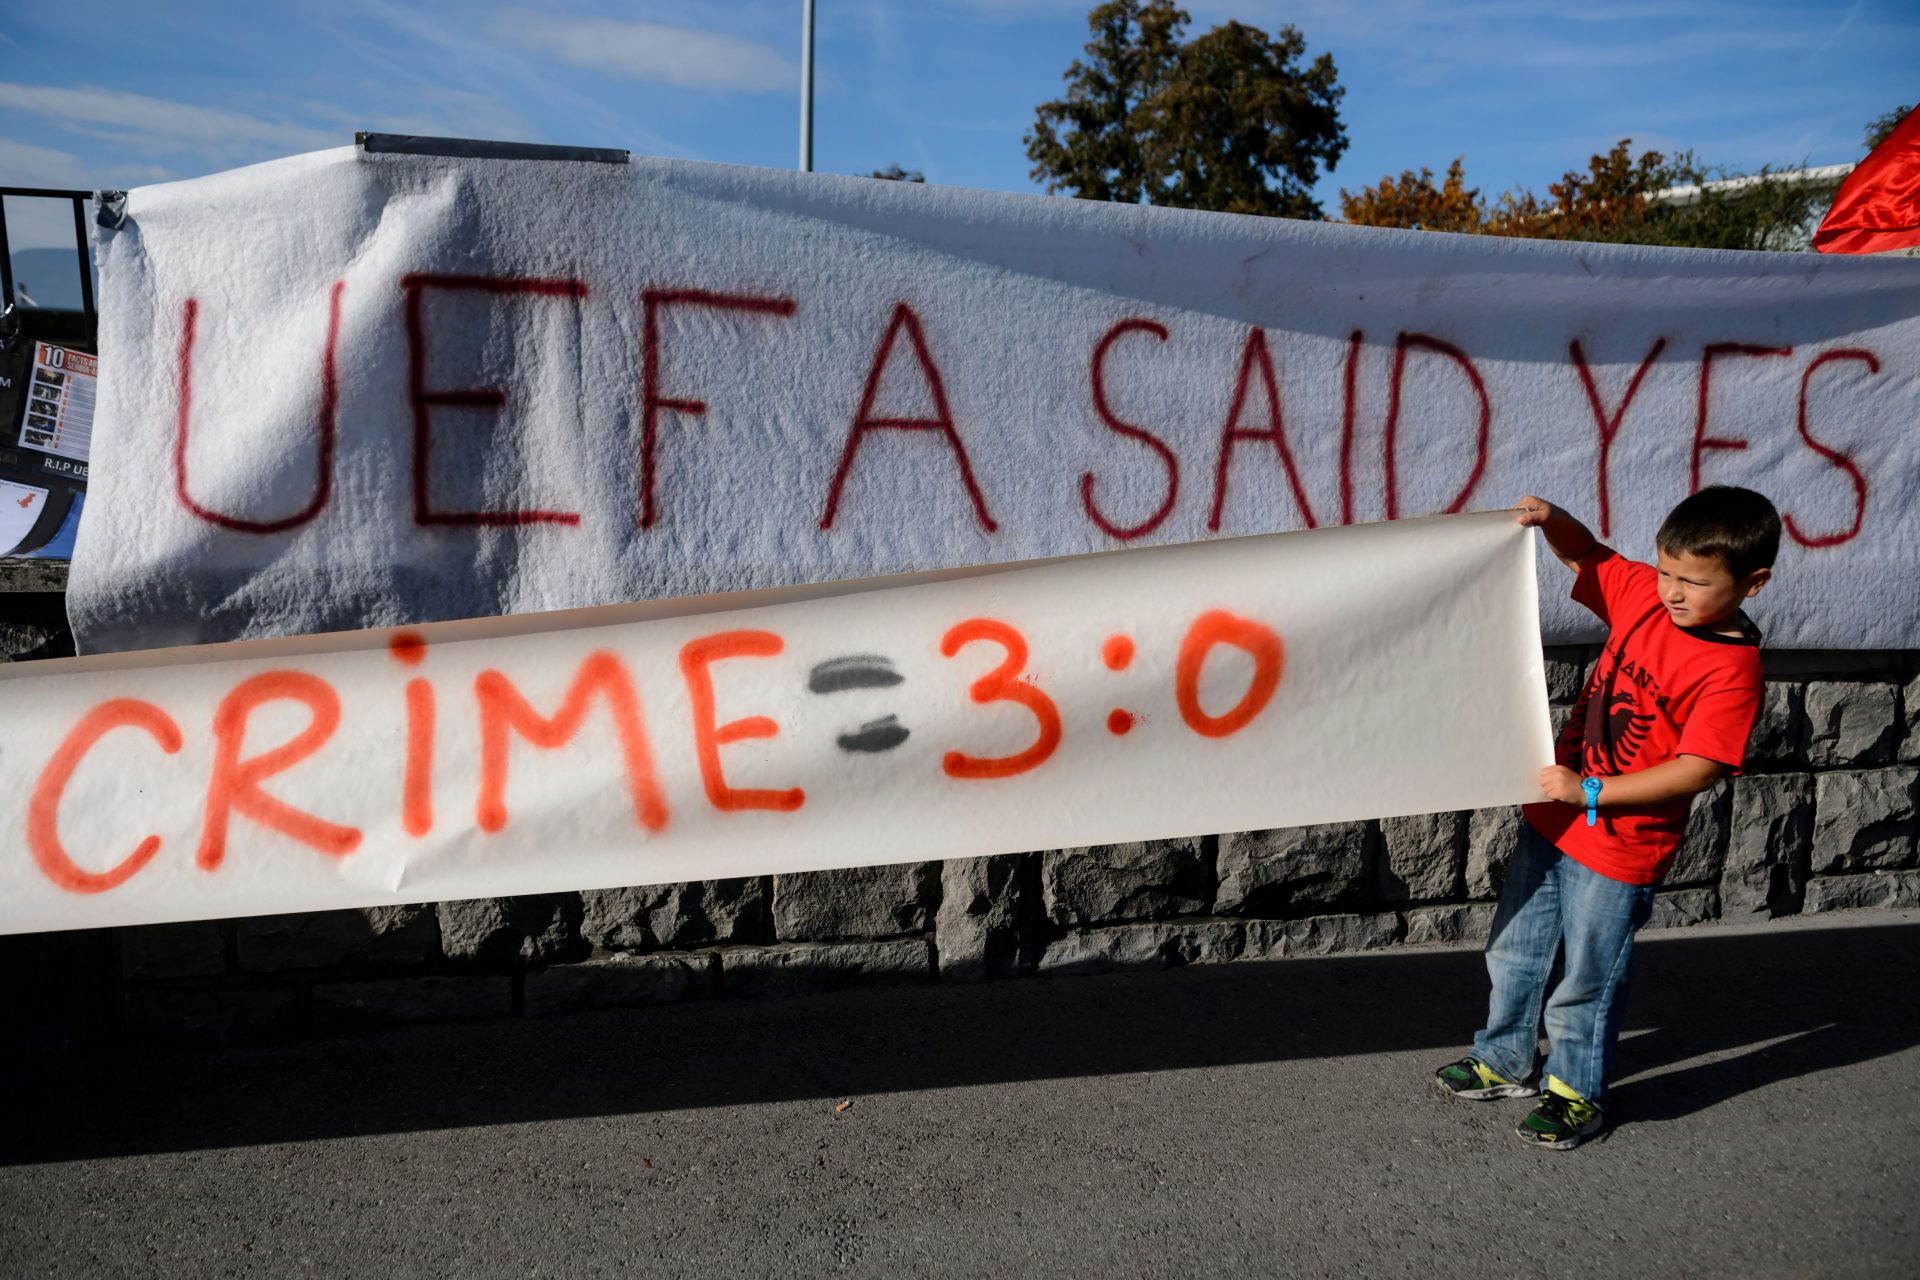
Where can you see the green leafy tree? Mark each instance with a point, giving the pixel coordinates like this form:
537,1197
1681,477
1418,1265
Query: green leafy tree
1234,120
1089,142
1760,212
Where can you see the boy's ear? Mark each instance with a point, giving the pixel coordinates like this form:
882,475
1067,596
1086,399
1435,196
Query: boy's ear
1756,580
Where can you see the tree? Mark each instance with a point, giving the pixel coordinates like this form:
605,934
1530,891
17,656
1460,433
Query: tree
1411,200
894,173
1230,121
1599,204
1088,143
1881,128
1618,198
1610,195
1729,210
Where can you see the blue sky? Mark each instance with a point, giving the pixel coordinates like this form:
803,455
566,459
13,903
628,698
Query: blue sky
119,94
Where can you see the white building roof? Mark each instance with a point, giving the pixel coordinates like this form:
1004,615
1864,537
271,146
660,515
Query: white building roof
1826,176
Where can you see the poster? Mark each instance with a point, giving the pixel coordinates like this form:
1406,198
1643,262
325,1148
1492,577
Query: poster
1171,691
59,406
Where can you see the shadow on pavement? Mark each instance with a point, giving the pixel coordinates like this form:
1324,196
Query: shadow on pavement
1798,1001
1769,1008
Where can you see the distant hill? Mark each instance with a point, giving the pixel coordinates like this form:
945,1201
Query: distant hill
50,276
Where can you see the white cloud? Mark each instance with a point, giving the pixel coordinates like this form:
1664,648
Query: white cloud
29,166
681,56
472,56
156,123
34,223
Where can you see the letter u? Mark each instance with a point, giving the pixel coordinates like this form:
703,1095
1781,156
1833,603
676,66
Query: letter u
329,411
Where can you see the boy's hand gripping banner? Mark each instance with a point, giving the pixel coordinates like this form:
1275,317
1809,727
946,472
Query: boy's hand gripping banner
1245,683
352,388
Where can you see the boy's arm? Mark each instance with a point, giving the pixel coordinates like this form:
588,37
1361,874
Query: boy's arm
1567,538
1679,777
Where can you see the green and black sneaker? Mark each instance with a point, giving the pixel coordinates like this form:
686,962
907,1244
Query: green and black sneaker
1562,1121
1474,1080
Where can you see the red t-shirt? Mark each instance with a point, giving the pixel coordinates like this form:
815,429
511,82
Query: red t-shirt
1659,690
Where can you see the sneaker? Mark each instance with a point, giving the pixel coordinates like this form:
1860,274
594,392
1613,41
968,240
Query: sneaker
1473,1079
1562,1121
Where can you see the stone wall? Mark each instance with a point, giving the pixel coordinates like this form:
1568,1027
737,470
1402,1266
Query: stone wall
1824,819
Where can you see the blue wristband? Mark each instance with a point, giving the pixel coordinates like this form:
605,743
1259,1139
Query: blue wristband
1592,787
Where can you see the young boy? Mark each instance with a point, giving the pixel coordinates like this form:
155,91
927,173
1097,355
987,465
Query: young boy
1665,714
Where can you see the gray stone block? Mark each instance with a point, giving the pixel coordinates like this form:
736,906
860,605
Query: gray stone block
1157,944
190,949
1910,717
1463,923
1889,889
1102,883
855,902
32,576
535,928
1421,857
802,968
1849,724
679,917
1564,679
1864,820
382,1002
1703,846
1267,872
1779,738
984,928
332,939
1320,935
1493,836
1766,862
1683,907
207,1015
611,982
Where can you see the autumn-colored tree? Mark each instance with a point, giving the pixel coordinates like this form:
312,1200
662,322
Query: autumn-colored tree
1231,120
1411,200
1596,205
1581,206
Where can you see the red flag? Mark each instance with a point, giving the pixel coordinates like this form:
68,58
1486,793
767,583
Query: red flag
1878,207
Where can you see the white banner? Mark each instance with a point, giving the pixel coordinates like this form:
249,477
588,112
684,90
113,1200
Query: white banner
1246,683
351,389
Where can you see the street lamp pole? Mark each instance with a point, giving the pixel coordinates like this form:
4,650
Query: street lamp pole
806,86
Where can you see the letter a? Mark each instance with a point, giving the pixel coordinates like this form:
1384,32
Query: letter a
942,421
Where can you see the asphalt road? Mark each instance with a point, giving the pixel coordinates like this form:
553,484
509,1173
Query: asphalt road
1261,1119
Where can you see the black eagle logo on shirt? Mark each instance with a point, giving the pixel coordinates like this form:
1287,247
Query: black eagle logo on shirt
1623,733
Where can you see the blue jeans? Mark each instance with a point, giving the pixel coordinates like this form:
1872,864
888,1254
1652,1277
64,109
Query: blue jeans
1552,904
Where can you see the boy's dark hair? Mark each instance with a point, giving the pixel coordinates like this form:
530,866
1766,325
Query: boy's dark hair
1738,525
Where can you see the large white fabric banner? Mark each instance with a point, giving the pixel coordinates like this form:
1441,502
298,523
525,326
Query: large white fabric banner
1245,683
348,389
